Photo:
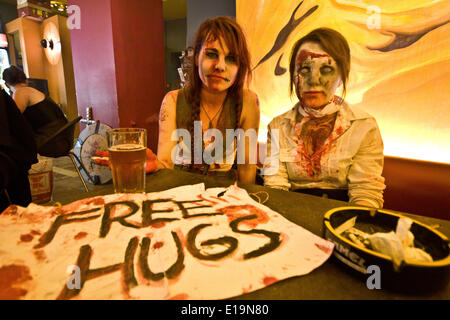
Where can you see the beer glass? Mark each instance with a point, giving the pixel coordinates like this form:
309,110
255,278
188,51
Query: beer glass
127,153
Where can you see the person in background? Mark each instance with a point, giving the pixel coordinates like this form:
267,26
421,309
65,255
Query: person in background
326,148
215,94
17,154
186,63
41,112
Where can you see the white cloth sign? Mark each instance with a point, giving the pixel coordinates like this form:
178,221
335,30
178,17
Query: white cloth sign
182,243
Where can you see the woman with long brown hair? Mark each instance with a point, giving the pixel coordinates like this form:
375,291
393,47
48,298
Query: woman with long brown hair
216,95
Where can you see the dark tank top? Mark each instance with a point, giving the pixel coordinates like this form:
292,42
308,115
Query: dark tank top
227,117
46,118
226,120
42,113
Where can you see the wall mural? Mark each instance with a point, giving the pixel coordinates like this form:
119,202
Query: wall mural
400,64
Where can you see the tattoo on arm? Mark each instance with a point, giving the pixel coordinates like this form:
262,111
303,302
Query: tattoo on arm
163,115
168,102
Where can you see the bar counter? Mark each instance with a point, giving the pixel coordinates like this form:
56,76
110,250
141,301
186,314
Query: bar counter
332,280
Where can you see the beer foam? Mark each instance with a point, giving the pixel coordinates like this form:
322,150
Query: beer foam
127,147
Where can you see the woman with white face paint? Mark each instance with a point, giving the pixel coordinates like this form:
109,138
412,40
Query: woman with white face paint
326,148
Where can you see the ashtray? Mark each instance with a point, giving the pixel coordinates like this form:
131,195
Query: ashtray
409,276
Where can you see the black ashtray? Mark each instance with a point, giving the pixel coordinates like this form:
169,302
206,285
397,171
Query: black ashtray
409,276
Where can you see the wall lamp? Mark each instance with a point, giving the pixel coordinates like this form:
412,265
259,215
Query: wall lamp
47,43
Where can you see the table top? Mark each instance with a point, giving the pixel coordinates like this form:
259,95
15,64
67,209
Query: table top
332,280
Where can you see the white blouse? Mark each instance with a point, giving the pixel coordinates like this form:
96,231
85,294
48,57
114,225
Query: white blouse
351,158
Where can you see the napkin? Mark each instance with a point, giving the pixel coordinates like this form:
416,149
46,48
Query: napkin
399,245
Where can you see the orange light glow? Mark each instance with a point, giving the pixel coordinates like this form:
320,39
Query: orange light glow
400,71
51,33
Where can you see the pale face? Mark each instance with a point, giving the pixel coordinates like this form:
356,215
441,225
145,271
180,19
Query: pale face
316,75
217,68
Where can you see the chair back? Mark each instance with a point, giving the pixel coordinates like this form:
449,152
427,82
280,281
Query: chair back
61,142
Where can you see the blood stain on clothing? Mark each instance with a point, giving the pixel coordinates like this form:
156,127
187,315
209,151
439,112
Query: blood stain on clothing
10,277
310,165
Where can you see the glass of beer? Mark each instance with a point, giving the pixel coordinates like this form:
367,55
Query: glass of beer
127,153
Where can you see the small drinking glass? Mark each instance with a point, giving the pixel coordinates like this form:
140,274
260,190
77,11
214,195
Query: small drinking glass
127,153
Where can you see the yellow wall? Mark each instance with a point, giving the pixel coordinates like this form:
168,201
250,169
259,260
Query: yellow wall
53,62
406,88
69,79
30,37
58,64
54,65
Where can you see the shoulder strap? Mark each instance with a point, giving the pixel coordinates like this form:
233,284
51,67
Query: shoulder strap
183,110
229,110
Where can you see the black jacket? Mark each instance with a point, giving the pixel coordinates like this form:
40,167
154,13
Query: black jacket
17,145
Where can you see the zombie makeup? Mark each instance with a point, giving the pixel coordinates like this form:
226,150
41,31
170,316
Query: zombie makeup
217,67
316,76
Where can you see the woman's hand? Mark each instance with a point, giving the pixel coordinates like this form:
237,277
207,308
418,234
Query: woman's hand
151,161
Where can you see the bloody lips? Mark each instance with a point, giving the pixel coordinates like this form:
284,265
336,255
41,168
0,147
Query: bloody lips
217,78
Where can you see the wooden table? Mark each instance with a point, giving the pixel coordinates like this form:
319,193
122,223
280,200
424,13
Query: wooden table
332,280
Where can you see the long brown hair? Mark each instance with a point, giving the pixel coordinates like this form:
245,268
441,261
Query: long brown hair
332,43
229,30
212,29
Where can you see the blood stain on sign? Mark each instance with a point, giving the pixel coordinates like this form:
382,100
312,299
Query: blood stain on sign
95,201
40,255
160,224
181,296
322,247
80,235
269,280
234,212
26,238
10,277
158,245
